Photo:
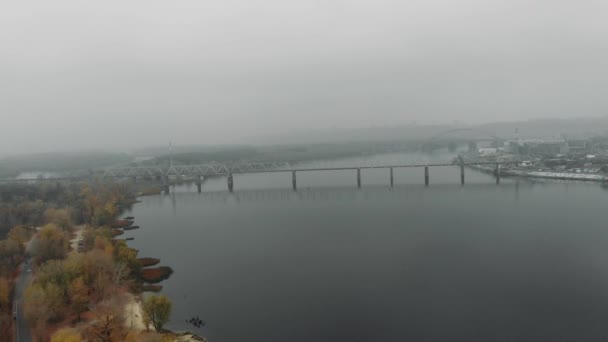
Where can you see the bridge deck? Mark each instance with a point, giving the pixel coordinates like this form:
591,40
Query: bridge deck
224,170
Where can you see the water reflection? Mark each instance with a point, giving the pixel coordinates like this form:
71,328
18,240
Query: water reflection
526,260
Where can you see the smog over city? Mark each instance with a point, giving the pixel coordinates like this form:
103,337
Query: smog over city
303,170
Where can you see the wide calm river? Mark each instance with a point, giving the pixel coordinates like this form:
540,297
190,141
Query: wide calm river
520,261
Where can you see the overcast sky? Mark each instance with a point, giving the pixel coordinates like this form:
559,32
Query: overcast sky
86,74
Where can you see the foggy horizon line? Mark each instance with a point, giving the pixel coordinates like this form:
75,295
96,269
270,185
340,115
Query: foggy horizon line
250,141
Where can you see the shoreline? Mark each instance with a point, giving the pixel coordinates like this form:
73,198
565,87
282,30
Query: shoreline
133,308
133,313
586,177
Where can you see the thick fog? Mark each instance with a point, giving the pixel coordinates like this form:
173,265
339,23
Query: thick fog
119,74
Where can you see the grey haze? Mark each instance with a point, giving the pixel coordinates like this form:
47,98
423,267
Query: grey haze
120,74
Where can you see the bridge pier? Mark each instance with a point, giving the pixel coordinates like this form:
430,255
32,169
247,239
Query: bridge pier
294,183
359,178
230,182
426,176
461,174
199,184
165,184
497,173
134,179
391,176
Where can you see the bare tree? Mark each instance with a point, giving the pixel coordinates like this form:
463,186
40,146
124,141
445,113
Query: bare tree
108,325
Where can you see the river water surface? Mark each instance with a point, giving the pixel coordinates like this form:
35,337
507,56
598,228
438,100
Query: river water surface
520,261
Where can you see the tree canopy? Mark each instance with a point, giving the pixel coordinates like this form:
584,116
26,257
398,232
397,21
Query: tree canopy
157,310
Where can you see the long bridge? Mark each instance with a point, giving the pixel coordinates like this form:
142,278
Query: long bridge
200,172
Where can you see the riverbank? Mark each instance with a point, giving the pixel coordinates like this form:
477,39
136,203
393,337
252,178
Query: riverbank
544,174
133,313
557,175
133,308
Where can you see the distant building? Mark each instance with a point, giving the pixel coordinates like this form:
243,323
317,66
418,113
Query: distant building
485,151
578,145
537,147
511,147
527,163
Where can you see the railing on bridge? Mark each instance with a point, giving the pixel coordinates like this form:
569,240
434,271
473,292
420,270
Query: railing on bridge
211,169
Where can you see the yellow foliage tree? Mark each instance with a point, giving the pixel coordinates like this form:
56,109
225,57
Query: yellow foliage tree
102,244
52,243
20,234
61,217
36,309
79,296
157,311
67,335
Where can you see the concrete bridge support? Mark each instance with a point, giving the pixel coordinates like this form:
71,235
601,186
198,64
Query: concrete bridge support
426,176
165,184
230,182
199,184
294,183
391,177
497,173
461,174
134,178
359,178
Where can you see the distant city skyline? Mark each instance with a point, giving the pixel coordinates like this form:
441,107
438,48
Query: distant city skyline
529,129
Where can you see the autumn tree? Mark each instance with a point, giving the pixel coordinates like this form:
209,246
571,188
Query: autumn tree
99,268
126,262
90,235
79,296
5,305
52,243
66,335
101,202
53,277
103,244
20,233
62,218
146,320
157,310
48,299
36,309
5,291
90,202
109,322
11,252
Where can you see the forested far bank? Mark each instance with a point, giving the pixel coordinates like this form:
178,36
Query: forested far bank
75,162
